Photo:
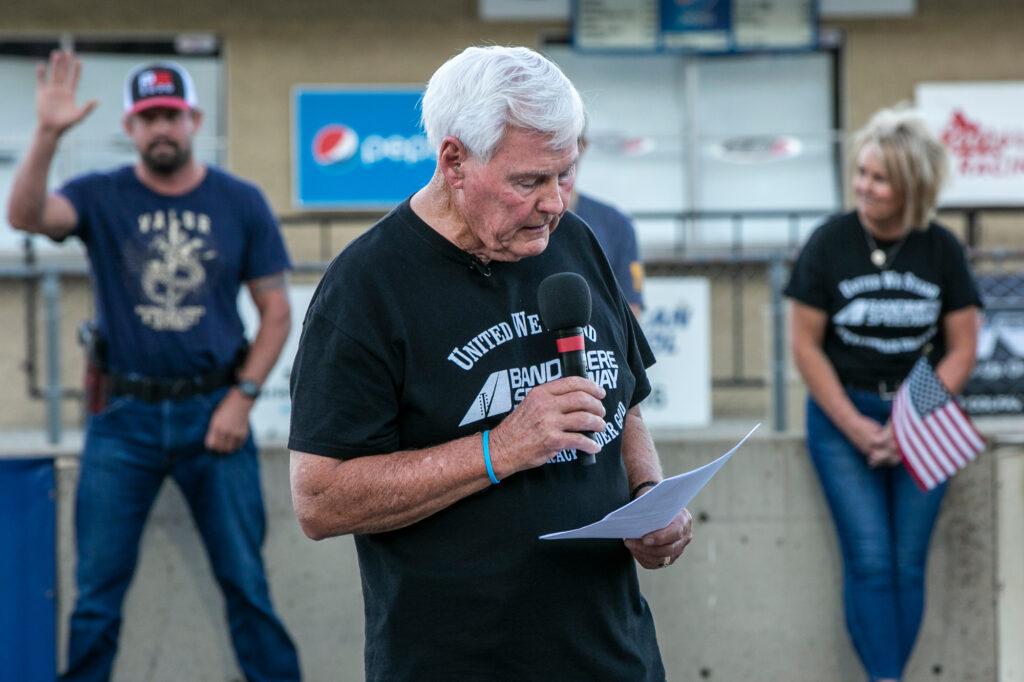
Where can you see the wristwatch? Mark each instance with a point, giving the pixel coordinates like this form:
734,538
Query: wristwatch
249,388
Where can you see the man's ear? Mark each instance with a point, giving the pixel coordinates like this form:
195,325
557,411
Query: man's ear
451,158
197,119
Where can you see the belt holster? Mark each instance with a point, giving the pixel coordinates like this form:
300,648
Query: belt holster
97,379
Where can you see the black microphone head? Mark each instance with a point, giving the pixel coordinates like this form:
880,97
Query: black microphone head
564,301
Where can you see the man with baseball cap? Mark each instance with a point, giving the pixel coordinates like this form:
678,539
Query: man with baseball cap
164,84
170,240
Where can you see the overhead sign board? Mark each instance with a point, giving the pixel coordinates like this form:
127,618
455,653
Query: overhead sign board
700,26
357,148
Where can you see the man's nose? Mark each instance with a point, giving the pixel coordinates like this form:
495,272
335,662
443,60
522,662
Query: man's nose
551,201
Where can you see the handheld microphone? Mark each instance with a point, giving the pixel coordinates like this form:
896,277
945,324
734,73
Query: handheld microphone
564,302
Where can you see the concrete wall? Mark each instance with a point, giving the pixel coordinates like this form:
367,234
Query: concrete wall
755,597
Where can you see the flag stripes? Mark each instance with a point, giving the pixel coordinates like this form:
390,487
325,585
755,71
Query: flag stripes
934,436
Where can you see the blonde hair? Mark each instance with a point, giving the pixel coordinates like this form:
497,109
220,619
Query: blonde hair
915,160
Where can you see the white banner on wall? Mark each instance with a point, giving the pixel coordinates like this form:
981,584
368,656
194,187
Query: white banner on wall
982,128
677,323
271,415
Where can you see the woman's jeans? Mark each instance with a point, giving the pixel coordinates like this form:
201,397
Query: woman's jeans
884,523
130,448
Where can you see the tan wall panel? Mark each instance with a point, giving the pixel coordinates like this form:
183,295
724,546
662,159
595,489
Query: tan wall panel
18,410
947,40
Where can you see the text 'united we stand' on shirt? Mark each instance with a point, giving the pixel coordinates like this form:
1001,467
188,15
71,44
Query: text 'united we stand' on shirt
504,389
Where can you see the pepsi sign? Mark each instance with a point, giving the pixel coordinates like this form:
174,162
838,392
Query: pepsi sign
357,149
334,143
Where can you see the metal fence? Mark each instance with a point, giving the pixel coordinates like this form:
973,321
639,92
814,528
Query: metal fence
750,368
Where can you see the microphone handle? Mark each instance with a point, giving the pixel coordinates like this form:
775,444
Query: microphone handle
574,364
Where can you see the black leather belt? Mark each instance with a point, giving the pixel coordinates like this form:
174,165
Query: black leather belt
154,390
884,388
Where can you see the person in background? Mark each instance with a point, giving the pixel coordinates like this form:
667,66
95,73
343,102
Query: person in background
169,240
427,421
617,235
872,291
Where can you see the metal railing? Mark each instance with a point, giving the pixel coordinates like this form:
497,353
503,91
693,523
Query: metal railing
746,280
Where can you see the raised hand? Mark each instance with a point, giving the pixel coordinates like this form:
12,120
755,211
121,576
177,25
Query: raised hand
56,87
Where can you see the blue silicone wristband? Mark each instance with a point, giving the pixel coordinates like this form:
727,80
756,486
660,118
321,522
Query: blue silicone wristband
487,458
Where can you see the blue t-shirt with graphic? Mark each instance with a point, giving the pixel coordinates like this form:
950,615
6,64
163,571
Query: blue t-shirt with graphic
166,270
617,236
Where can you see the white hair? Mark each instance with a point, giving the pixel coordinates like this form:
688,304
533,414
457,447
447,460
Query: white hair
477,94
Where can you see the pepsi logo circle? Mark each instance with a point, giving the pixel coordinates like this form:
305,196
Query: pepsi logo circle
334,143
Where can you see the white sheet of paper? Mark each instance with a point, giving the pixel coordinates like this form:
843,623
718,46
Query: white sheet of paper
653,510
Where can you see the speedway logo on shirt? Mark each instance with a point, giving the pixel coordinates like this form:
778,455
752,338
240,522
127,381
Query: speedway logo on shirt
920,310
504,389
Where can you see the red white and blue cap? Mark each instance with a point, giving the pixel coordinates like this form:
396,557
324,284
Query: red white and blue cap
161,84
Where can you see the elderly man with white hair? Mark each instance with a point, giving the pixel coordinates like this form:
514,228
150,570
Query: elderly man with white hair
431,421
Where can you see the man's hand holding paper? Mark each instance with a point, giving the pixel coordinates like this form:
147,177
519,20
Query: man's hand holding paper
661,548
656,525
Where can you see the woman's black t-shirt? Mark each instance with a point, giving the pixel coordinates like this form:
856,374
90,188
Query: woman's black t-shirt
880,321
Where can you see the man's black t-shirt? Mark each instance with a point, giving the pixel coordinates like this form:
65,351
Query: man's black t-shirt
410,342
881,321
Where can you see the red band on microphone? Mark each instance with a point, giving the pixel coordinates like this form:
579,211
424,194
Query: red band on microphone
569,344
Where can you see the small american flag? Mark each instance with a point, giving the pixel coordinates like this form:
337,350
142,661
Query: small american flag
935,438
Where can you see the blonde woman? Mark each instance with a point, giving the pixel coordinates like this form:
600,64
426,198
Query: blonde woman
872,291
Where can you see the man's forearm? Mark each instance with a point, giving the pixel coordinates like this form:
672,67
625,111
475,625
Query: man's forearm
25,211
380,493
639,455
275,325
265,350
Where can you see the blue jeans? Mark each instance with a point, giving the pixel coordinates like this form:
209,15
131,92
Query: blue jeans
884,523
130,447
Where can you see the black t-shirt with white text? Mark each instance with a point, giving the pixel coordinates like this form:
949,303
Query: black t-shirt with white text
409,342
880,321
